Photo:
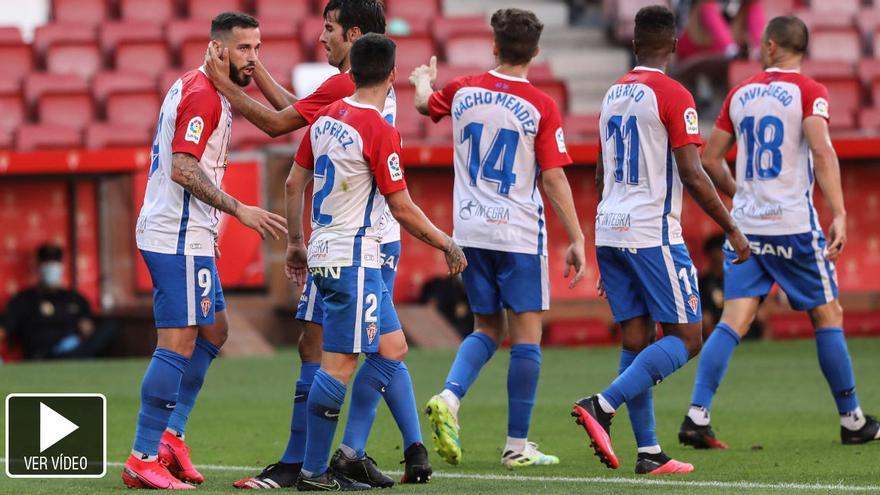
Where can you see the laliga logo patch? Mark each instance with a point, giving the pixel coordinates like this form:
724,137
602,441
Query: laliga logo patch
372,330
394,167
560,140
691,122
693,302
820,107
194,130
206,306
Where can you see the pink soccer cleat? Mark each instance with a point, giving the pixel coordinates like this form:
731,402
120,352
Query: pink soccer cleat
154,475
174,453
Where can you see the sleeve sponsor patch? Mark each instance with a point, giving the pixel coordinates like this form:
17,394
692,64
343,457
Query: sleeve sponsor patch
560,140
691,122
820,107
394,169
194,130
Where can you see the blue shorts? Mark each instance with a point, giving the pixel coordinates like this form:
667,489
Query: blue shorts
353,298
796,262
658,281
311,307
186,289
496,280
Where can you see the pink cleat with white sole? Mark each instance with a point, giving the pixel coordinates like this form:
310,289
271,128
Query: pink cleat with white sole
152,475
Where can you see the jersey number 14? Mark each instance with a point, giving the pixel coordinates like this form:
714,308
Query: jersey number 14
503,150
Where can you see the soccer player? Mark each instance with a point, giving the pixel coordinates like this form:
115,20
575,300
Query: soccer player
353,152
506,134
344,22
649,153
779,121
177,234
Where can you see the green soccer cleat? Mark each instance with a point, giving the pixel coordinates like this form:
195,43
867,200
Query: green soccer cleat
444,427
529,456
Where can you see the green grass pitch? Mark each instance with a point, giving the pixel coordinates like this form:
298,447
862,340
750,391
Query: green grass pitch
774,409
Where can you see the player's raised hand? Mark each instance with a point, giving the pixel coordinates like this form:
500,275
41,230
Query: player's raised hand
296,262
425,72
836,238
264,222
740,245
575,260
217,64
455,258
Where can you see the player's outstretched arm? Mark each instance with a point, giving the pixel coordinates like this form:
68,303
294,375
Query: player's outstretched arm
698,185
297,254
557,188
277,94
185,171
423,78
828,176
272,122
716,149
413,219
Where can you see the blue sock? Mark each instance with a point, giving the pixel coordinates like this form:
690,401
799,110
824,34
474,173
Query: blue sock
651,366
296,444
191,383
401,402
640,408
366,391
522,386
158,398
325,400
837,367
714,359
475,351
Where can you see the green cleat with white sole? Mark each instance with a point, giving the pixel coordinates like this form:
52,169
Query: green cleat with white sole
444,427
529,456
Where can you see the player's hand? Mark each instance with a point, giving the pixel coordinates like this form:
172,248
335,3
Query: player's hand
740,246
217,65
455,258
264,222
296,262
836,238
425,72
575,260
600,288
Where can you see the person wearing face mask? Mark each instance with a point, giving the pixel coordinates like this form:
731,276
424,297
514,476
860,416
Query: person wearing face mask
51,321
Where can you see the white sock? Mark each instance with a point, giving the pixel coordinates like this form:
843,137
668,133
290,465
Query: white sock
654,449
853,420
144,457
699,415
175,433
605,405
451,400
515,444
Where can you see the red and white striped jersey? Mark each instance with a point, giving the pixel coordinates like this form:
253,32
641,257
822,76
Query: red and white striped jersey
505,132
355,156
774,164
197,120
645,116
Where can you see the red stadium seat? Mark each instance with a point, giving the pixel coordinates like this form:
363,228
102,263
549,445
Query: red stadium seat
50,34
39,83
82,59
280,56
156,11
310,30
842,121
474,50
740,70
447,27
567,333
775,8
412,9
10,34
114,33
842,6
11,107
826,20
246,136
540,73
206,10
105,83
133,108
88,12
409,123
412,52
177,32
149,58
168,78
787,326
446,73
869,70
288,10
399,26
845,93
102,135
66,108
438,132
836,44
557,91
16,59
869,120
581,128
868,21
192,53
827,68
31,137
278,28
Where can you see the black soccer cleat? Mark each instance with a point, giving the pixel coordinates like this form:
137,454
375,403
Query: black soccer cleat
698,437
661,463
868,432
275,476
597,423
418,467
362,470
329,482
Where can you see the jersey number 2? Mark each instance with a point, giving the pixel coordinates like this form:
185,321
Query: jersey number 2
503,148
324,169
764,139
623,132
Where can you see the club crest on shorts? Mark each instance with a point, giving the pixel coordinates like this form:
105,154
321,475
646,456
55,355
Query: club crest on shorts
372,330
206,306
693,302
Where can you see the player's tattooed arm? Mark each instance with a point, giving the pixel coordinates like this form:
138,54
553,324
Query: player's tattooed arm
698,185
423,78
414,220
716,149
558,190
277,94
827,169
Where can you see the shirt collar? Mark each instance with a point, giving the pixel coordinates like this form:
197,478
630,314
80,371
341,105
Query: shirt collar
357,104
506,77
649,69
784,71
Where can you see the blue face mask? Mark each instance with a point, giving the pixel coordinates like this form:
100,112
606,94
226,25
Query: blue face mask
52,273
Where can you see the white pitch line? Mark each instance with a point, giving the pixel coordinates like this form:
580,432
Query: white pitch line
744,485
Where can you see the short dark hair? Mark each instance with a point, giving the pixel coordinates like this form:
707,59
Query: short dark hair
372,59
655,28
789,32
226,21
517,33
49,252
368,15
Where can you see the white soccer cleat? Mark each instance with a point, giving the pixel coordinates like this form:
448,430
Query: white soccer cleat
528,456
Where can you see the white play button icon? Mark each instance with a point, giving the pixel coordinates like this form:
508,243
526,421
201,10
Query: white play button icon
53,427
